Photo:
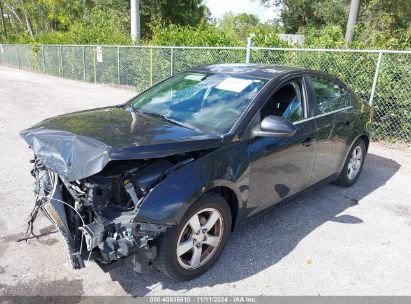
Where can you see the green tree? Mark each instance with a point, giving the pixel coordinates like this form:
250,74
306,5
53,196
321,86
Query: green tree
205,35
179,12
91,21
243,25
298,15
384,24
381,23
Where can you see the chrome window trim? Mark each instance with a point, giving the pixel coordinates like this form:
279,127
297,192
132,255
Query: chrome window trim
322,115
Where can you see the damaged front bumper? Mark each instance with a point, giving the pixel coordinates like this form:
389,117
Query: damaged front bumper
141,260
92,227
135,248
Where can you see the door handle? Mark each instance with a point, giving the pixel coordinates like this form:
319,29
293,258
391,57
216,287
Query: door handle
308,141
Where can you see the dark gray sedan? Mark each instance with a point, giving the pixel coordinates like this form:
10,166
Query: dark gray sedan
164,178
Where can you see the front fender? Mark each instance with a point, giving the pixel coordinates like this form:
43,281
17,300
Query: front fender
170,199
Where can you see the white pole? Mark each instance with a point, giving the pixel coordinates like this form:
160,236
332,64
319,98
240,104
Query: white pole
248,49
374,83
84,63
135,20
171,61
352,18
118,65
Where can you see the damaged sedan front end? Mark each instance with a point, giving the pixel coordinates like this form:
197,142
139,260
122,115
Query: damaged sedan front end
96,215
91,184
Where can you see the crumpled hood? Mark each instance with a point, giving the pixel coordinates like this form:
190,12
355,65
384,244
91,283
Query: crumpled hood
80,144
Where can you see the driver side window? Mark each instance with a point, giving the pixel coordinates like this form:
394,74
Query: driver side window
287,103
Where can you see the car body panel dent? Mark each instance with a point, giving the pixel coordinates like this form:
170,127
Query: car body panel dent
70,155
78,145
225,167
120,126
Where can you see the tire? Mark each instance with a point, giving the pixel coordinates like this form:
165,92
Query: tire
184,266
346,177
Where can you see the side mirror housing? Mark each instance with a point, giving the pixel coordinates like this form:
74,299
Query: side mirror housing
272,126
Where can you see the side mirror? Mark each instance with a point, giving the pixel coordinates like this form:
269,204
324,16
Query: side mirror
275,126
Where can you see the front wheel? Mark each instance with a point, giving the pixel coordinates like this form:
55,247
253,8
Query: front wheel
353,164
190,248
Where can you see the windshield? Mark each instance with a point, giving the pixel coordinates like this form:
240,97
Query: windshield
209,102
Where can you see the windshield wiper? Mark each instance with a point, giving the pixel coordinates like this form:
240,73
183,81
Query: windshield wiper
168,119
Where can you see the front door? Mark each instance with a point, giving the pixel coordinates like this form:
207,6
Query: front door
281,166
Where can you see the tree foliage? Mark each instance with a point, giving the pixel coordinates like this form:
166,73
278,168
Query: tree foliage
241,25
91,21
179,12
191,36
384,24
380,24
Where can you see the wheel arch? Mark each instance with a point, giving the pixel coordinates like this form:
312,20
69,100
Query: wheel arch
366,139
231,198
362,136
163,209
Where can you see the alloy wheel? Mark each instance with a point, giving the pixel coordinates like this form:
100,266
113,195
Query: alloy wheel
200,238
355,162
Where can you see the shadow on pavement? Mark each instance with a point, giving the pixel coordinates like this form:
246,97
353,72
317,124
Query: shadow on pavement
269,238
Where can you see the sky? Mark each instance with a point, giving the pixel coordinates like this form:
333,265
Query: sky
219,7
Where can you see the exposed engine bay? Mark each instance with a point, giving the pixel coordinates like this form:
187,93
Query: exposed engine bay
96,215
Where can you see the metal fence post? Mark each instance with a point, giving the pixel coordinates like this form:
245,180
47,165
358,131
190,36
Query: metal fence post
84,63
29,52
374,83
94,65
58,59
61,60
8,55
248,50
44,59
151,66
118,65
171,61
18,56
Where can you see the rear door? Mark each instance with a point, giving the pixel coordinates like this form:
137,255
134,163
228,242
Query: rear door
333,114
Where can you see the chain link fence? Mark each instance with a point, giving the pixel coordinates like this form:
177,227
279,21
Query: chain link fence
381,77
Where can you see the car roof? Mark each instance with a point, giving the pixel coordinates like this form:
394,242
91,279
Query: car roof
266,71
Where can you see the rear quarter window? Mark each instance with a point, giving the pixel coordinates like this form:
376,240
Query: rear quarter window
329,95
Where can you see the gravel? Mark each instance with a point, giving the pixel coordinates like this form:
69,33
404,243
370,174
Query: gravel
333,241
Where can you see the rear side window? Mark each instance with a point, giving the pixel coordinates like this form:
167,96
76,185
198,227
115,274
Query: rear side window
330,96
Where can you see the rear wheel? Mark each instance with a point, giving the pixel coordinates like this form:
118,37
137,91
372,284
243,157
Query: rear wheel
190,248
353,164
